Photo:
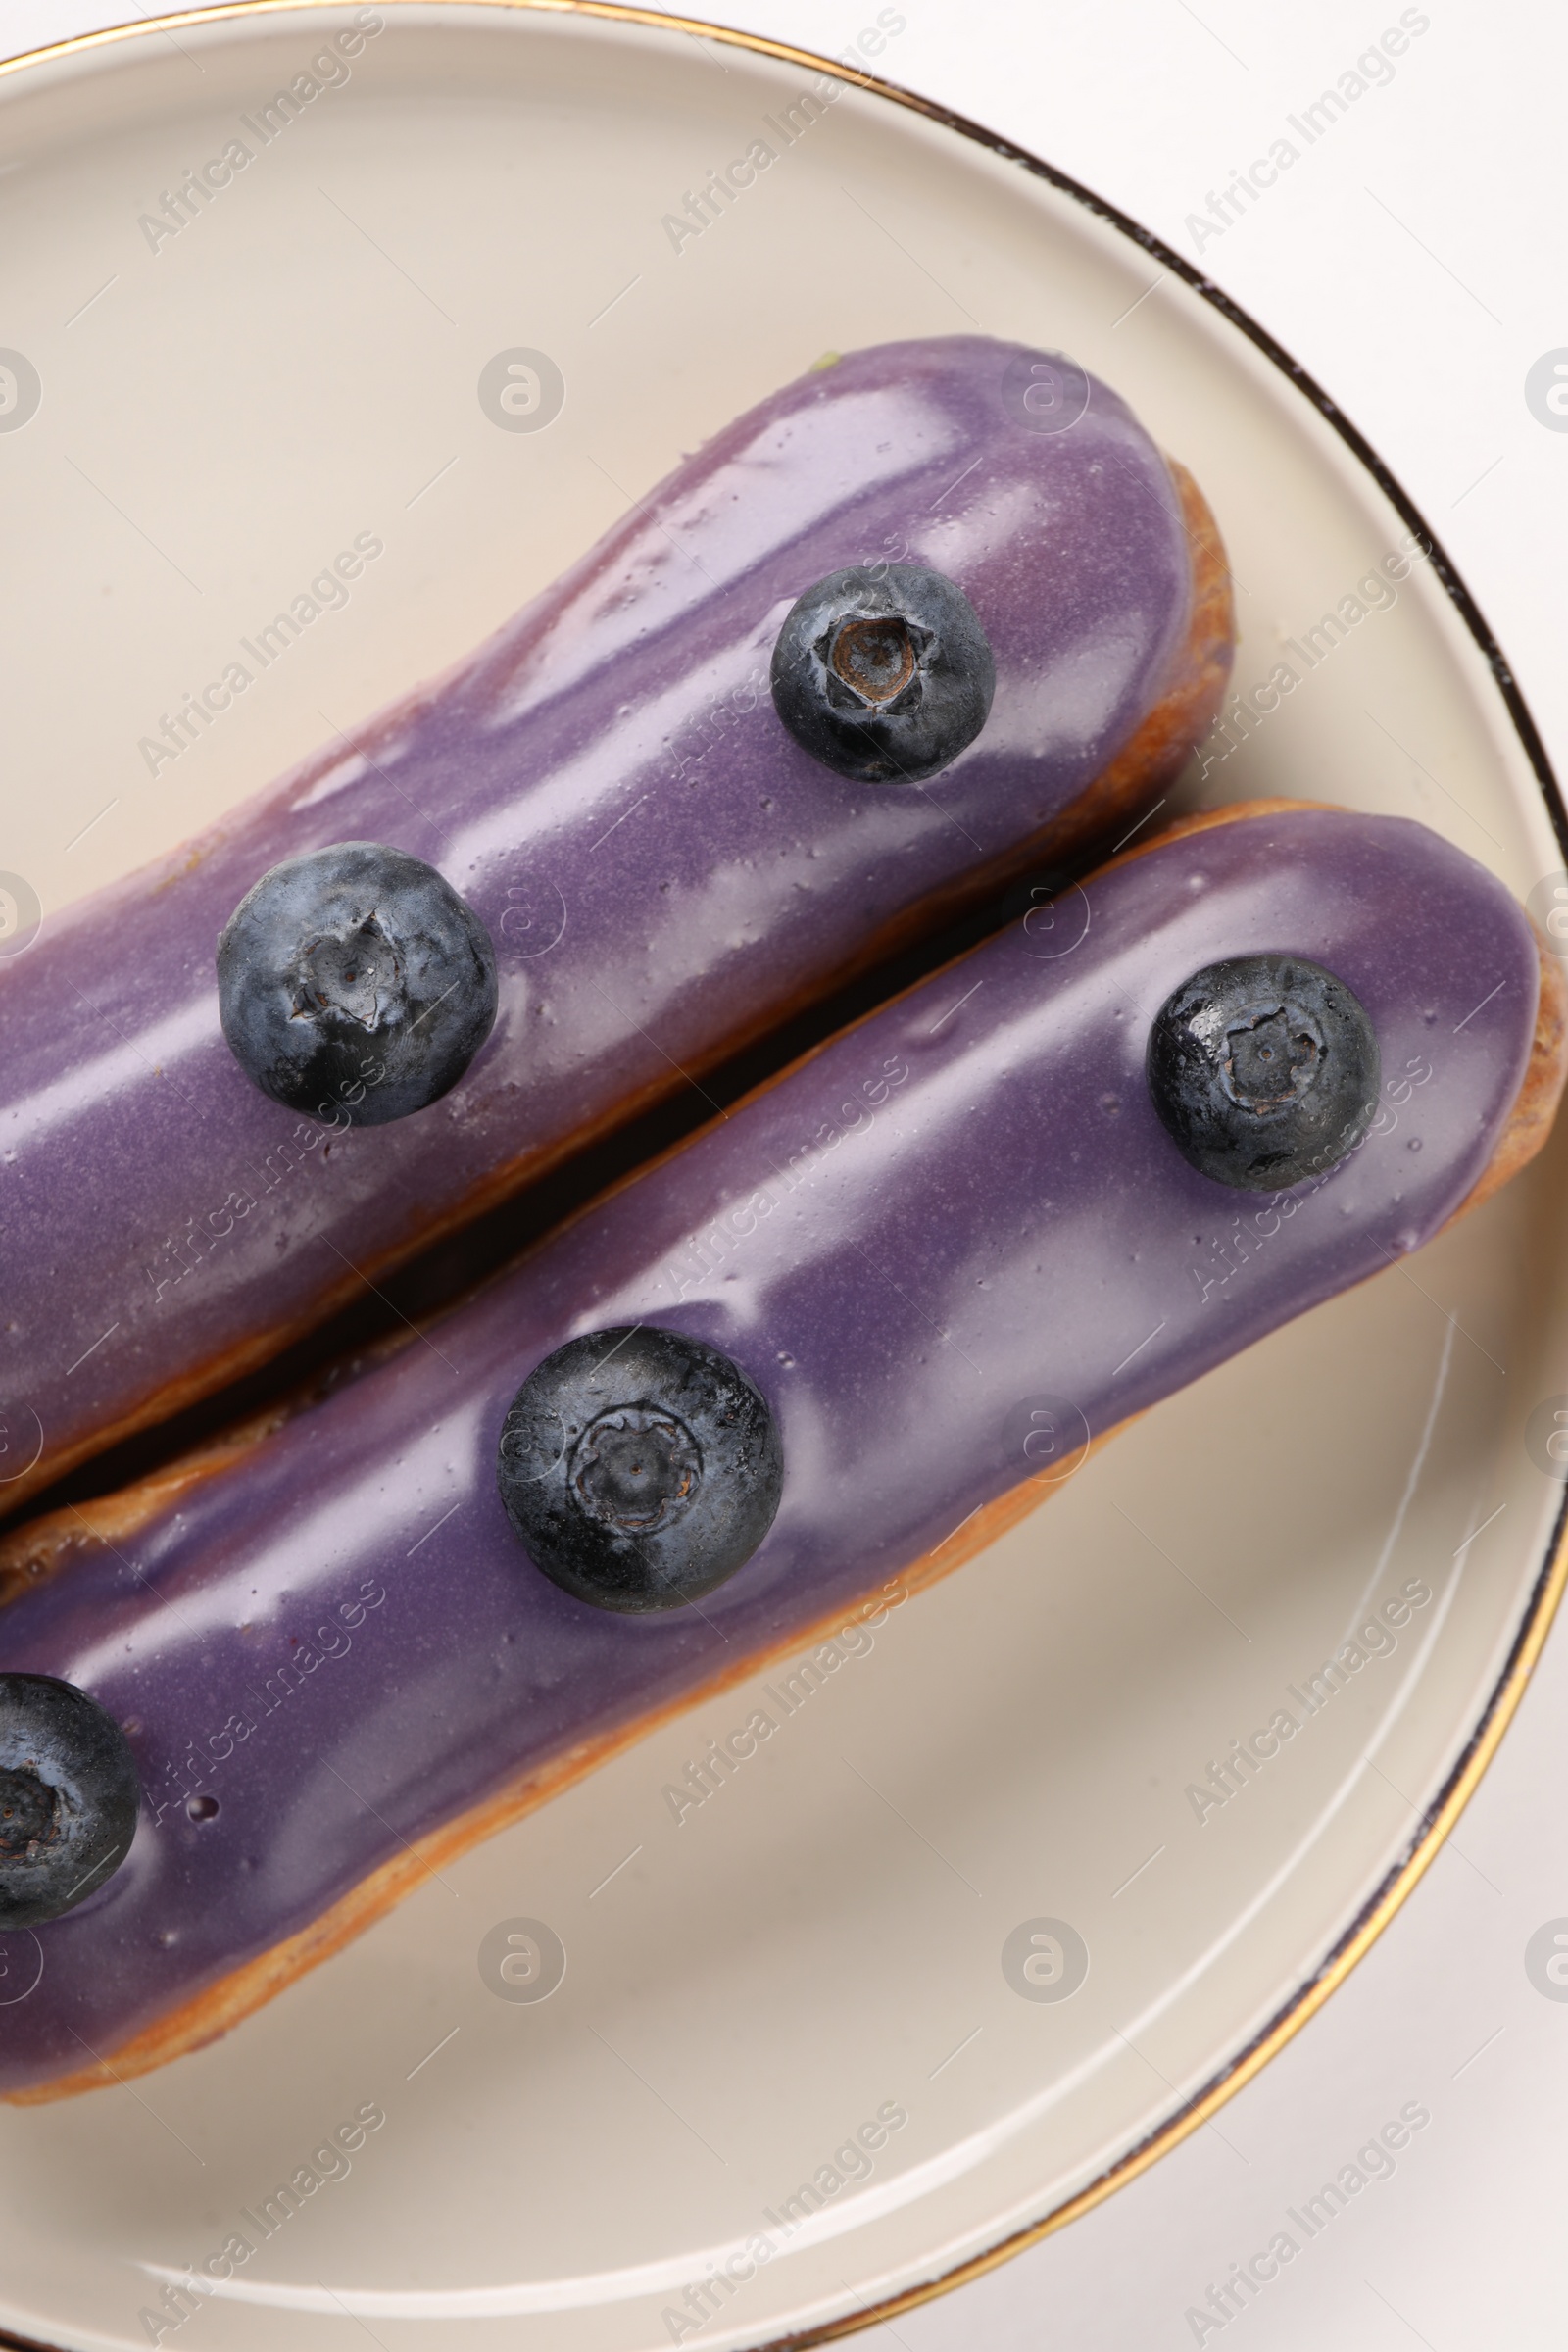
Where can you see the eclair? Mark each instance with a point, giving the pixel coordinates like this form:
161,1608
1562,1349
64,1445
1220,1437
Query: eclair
935,612
840,1339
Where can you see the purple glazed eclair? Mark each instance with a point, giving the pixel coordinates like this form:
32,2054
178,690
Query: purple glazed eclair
661,868
944,1255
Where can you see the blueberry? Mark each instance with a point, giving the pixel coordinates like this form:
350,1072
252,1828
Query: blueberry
1265,1070
354,984
884,677
639,1468
69,1796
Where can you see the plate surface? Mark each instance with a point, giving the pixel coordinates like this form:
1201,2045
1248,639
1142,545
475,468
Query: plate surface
841,1932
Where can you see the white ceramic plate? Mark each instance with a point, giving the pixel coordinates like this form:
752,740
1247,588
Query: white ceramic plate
220,411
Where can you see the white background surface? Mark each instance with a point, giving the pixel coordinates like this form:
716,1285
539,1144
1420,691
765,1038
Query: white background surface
1415,261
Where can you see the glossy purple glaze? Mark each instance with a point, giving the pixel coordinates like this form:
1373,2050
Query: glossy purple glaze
661,867
964,1205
